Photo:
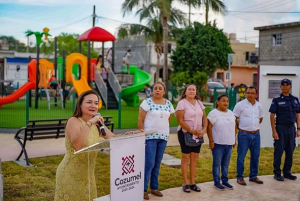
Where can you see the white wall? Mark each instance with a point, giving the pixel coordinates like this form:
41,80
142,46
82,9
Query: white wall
10,73
265,127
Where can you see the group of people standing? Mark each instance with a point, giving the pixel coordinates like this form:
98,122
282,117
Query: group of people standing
155,113
225,129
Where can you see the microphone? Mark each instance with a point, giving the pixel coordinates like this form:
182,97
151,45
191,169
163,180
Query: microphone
102,129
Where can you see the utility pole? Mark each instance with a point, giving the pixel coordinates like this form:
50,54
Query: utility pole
189,12
94,19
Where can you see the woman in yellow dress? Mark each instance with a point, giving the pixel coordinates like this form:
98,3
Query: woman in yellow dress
72,180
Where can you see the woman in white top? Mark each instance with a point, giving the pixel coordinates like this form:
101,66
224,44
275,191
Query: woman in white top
155,114
221,134
190,114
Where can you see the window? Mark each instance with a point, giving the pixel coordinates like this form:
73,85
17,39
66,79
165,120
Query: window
220,76
247,57
276,39
227,76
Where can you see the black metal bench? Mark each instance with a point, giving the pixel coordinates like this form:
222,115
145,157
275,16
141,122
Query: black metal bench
46,129
108,123
39,129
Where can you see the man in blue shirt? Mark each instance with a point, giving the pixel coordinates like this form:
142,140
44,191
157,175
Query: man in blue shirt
148,91
286,108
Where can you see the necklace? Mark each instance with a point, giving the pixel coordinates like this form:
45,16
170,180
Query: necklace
159,102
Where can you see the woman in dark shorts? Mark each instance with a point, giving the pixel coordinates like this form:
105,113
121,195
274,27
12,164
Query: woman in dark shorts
190,113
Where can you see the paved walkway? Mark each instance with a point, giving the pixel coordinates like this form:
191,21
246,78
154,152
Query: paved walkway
270,190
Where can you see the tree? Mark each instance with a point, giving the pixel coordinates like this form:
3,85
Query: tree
215,5
69,43
153,31
191,3
166,12
13,43
47,48
200,50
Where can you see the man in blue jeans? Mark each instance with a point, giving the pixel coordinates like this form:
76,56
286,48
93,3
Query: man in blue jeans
249,114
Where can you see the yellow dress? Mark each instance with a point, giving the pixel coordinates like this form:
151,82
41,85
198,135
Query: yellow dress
72,181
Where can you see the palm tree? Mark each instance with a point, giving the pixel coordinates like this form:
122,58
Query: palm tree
191,3
215,5
153,32
166,13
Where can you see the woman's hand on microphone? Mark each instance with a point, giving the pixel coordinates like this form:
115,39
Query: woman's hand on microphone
95,119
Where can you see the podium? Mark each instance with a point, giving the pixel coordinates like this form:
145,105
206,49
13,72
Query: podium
127,162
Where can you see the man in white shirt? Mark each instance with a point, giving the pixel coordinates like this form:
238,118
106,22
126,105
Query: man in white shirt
249,114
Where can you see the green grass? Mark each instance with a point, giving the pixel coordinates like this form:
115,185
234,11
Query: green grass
38,183
14,115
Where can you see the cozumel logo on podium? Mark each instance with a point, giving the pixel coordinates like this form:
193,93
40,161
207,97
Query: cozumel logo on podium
128,164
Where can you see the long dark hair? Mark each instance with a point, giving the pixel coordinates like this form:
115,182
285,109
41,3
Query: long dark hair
183,96
219,98
100,56
78,112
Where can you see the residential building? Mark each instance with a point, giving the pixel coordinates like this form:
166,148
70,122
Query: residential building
279,57
244,64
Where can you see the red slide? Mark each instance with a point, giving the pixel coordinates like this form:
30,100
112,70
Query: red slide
26,87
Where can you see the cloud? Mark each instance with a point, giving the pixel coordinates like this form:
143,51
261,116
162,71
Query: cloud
53,2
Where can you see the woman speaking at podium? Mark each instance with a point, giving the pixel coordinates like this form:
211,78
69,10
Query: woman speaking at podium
155,114
72,180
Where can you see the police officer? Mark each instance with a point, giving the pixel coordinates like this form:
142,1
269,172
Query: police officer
287,110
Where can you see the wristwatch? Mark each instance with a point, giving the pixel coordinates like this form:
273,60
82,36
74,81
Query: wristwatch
298,128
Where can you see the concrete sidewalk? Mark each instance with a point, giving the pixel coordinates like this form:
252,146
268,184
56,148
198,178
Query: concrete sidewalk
10,148
270,190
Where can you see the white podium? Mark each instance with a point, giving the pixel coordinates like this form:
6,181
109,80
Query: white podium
127,161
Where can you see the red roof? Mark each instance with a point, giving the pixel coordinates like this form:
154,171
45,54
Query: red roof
96,34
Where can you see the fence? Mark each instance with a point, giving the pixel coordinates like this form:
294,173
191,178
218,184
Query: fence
15,115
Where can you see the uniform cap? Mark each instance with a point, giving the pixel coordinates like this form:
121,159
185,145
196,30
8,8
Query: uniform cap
285,80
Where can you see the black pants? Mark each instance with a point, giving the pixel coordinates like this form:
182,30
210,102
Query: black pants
287,144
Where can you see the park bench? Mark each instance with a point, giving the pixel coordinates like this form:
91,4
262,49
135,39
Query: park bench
45,129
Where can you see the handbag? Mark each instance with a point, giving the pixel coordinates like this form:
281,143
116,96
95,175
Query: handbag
190,142
188,138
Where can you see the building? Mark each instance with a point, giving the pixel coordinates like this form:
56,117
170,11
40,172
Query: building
143,55
279,57
13,66
244,64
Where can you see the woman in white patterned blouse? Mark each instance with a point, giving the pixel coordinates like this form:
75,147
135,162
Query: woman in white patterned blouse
155,114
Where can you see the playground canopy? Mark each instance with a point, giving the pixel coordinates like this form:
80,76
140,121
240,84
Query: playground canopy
96,34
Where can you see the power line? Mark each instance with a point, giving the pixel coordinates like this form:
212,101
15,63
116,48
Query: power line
258,5
71,23
260,12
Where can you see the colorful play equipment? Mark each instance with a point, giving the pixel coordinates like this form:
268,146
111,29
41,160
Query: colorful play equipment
80,85
46,69
23,89
141,78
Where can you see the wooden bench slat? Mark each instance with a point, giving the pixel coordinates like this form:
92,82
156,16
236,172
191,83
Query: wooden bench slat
43,120
37,137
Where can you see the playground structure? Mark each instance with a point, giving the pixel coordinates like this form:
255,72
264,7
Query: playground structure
80,71
23,89
141,78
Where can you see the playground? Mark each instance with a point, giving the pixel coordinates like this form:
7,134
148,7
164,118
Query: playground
75,73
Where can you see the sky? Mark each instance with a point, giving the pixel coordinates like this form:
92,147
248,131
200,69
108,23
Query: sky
75,16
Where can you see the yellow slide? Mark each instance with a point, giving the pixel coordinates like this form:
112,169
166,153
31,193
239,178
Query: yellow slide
80,85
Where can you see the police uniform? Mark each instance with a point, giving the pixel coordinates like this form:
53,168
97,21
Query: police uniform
286,109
